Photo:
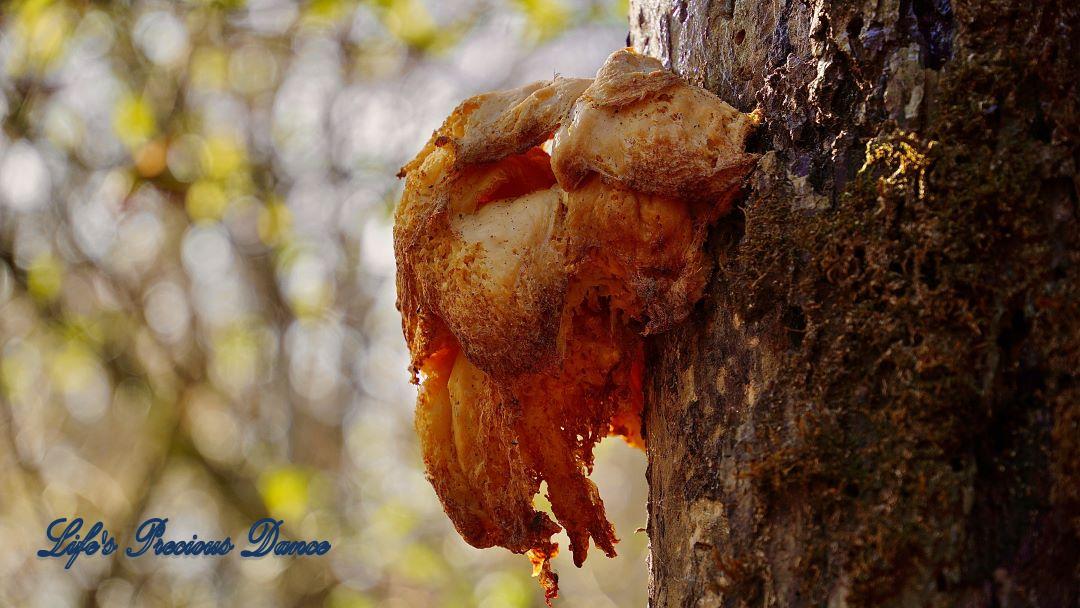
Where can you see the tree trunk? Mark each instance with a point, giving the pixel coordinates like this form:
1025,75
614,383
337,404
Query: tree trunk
877,403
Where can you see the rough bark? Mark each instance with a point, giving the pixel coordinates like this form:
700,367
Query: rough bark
877,403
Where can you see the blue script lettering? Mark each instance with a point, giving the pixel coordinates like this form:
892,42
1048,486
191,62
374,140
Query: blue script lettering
151,532
148,531
68,542
265,532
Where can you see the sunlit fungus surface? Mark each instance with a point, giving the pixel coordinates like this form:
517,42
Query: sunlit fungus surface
542,233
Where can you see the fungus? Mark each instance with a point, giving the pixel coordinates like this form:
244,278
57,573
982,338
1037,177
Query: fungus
527,281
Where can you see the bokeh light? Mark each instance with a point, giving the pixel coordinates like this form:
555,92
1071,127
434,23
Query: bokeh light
197,299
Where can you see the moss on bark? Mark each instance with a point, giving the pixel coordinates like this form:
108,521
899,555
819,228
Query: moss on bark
878,404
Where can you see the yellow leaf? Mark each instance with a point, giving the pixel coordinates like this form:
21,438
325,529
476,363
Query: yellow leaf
223,157
45,277
285,492
134,121
40,33
206,201
547,17
411,23
274,223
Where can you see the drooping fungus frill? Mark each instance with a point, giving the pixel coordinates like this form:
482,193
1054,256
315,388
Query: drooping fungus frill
526,282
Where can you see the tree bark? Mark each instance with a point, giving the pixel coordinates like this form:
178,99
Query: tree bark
877,403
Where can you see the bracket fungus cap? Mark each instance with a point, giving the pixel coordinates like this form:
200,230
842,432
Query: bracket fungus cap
527,280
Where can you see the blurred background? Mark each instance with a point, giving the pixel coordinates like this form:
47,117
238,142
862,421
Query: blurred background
197,303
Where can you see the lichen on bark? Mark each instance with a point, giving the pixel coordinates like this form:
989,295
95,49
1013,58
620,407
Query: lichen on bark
877,403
